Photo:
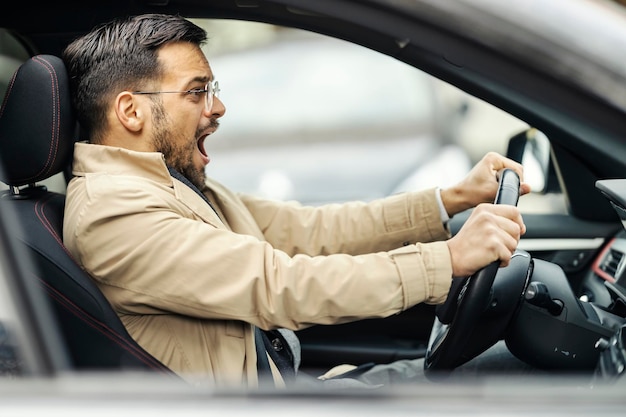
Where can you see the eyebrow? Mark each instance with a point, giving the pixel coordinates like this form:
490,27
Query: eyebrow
203,80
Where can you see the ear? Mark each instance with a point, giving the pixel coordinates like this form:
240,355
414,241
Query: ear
130,111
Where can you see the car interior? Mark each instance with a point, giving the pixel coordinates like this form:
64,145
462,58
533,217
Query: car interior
37,132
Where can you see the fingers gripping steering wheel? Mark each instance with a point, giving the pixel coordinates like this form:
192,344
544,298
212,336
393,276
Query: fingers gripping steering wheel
457,317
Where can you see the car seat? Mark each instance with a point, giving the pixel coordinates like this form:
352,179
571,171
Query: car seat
37,135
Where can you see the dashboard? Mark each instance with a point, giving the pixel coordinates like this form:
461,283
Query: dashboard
573,313
607,278
605,286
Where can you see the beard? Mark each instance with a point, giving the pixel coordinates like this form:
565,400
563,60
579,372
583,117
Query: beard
177,150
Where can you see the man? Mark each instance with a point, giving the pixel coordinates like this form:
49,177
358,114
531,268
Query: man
192,268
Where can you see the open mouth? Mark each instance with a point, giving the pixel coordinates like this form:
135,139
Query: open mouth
206,132
200,145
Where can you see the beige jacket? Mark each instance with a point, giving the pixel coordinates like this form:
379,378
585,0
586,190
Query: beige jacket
189,284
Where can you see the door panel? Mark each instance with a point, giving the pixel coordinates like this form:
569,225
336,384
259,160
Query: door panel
402,336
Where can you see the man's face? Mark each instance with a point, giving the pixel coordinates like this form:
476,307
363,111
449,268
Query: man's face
181,122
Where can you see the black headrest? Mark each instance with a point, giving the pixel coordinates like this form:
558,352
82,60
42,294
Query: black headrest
37,124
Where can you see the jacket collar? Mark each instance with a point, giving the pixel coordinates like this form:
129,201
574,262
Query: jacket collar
90,158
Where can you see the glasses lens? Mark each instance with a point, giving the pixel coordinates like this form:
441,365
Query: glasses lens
208,97
212,89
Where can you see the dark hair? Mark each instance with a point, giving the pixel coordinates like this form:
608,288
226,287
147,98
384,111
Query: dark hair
117,56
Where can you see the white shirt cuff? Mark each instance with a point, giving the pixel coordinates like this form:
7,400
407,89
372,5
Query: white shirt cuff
442,209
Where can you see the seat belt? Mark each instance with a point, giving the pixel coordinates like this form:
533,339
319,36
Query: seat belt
264,370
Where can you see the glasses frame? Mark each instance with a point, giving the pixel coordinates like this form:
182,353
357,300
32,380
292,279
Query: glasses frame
211,88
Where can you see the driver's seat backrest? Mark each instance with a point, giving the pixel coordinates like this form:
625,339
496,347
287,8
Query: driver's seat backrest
37,134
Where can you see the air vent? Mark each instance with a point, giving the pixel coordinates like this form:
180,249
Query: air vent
611,262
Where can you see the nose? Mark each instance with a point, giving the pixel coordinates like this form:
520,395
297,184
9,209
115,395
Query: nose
217,109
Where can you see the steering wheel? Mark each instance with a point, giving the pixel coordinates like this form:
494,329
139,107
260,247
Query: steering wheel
456,318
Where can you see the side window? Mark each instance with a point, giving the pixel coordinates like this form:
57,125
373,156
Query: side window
12,54
320,120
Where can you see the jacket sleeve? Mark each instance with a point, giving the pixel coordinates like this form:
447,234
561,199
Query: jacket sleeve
150,256
352,228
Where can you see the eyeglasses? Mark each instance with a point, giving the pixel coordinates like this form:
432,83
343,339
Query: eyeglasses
212,88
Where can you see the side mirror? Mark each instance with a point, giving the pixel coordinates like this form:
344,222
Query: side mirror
531,148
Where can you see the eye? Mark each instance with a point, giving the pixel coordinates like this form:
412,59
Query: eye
196,91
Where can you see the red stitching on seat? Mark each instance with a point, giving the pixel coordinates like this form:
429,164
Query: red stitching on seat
99,326
40,207
56,114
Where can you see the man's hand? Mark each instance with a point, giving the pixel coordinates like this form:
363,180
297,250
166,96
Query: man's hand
491,233
480,185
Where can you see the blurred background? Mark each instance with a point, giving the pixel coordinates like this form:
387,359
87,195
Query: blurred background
320,120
